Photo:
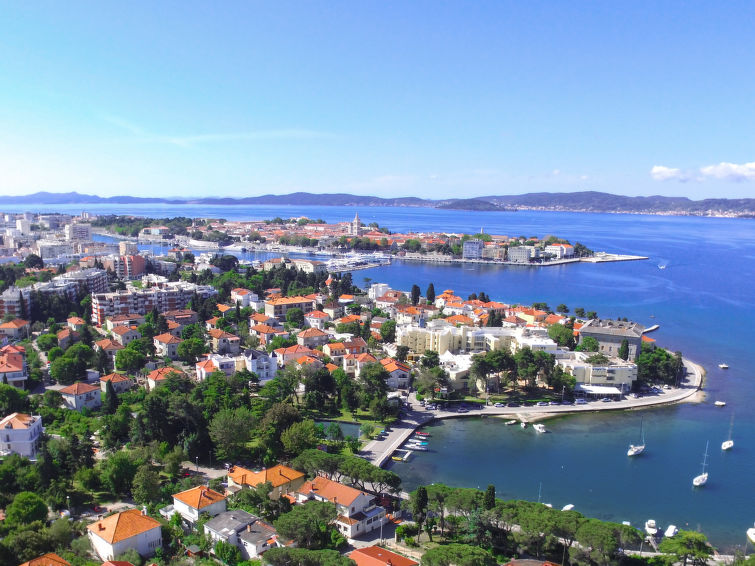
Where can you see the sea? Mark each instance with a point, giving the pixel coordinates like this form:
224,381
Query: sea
698,285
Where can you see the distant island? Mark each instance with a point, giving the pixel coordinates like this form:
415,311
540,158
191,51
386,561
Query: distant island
585,201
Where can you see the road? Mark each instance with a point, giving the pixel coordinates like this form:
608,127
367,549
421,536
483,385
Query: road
380,450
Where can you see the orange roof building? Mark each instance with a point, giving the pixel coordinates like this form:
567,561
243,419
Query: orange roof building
49,559
376,556
132,529
282,479
201,499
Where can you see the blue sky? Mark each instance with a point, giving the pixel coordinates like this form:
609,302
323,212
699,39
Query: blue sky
432,99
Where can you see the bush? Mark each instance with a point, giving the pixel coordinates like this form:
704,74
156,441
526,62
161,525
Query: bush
410,541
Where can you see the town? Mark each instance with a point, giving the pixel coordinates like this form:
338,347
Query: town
191,408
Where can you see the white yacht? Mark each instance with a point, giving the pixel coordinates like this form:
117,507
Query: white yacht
729,444
719,403
723,366
671,531
751,534
539,427
702,479
637,449
568,507
651,528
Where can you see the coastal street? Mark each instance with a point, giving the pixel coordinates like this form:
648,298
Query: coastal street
378,451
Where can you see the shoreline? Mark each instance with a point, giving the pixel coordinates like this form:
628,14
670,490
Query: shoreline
380,451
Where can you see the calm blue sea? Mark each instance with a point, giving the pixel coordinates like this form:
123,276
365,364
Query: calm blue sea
704,302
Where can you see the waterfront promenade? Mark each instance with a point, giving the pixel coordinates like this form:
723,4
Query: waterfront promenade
380,450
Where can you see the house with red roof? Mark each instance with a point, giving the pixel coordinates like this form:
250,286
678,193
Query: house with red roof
120,382
20,434
166,345
15,329
312,338
353,363
80,395
13,368
376,556
316,319
200,499
110,347
160,375
117,533
124,335
400,373
224,342
358,512
49,559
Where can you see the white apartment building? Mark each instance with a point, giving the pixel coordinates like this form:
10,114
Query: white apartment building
19,434
615,373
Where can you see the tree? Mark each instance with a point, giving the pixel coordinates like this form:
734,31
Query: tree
228,553
388,331
299,436
488,501
415,294
190,350
146,485
687,546
580,312
430,293
285,556
418,501
26,508
624,349
117,472
430,359
295,317
401,353
12,400
458,555
130,360
562,335
308,524
47,341
65,370
588,344
33,261
111,399
230,430
562,308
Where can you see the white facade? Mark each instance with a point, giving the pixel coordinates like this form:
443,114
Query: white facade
616,373
78,232
259,362
145,543
523,254
377,290
19,434
472,249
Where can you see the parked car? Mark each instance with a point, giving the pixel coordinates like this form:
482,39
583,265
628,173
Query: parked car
581,402
542,404
499,405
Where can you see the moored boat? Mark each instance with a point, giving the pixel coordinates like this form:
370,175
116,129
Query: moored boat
539,428
751,534
568,507
523,424
651,528
723,365
720,403
702,479
511,422
729,443
671,531
637,449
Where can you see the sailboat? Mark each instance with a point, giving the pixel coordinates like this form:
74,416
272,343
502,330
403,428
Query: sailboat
637,449
728,444
702,479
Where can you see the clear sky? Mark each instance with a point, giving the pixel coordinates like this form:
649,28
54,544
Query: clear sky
432,99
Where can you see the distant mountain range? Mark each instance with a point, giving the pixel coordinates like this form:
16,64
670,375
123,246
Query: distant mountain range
586,201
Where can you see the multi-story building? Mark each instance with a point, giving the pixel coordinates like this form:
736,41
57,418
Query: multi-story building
440,336
13,368
472,249
279,307
358,512
282,479
50,249
127,248
611,333
19,434
15,329
523,254
262,364
78,232
80,395
248,533
126,266
165,297
166,345
614,372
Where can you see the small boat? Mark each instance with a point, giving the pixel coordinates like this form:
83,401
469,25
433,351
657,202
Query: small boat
671,531
548,505
420,433
539,428
418,448
511,422
568,507
751,534
651,528
723,365
637,449
729,444
523,424
626,523
702,479
417,442
651,328
720,403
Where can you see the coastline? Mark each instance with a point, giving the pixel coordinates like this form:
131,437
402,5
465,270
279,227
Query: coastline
379,451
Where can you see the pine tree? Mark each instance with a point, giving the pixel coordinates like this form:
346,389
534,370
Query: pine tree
111,399
488,501
430,293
